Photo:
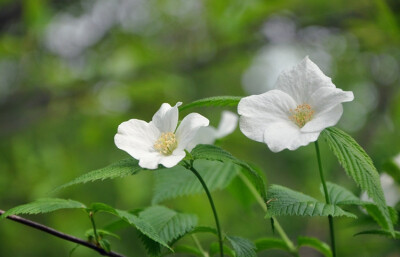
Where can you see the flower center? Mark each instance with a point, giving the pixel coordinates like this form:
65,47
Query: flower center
302,114
166,144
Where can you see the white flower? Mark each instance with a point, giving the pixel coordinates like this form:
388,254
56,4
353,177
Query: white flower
304,103
208,135
159,141
390,190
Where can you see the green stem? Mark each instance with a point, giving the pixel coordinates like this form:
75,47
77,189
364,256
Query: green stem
330,218
94,228
263,205
221,243
196,241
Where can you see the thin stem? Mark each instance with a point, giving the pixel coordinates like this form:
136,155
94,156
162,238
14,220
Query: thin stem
330,218
96,237
196,241
61,235
263,205
221,243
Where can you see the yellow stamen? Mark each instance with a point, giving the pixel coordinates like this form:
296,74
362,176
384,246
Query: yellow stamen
302,114
166,144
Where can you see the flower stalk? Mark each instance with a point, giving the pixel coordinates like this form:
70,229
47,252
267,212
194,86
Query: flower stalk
220,239
327,200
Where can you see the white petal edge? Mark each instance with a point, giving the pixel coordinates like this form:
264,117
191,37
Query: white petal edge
258,111
227,125
166,118
323,120
173,159
136,137
150,160
327,98
188,128
302,80
282,135
204,135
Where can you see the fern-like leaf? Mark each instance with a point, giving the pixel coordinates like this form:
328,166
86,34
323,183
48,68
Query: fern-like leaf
119,169
169,224
43,205
178,181
340,195
214,153
243,247
316,244
359,167
286,202
213,101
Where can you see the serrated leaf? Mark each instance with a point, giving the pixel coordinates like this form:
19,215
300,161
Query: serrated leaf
316,244
243,247
43,205
178,181
269,243
213,101
380,233
119,169
214,153
169,224
340,195
143,226
286,202
359,167
376,214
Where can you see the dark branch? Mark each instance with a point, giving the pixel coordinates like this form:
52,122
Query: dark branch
61,235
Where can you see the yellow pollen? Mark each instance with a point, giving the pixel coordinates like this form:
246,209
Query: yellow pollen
166,144
302,114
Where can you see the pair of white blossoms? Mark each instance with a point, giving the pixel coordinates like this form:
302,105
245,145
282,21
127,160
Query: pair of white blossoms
304,103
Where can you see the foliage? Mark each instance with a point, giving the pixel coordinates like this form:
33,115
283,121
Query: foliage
178,181
213,101
316,244
285,202
359,167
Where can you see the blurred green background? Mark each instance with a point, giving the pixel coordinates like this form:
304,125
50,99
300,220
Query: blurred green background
72,71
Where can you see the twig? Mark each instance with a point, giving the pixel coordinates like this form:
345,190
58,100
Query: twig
61,235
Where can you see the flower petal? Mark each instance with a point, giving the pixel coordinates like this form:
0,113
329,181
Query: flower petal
188,128
326,98
173,159
283,135
166,118
302,80
204,135
150,160
323,120
136,137
227,124
258,111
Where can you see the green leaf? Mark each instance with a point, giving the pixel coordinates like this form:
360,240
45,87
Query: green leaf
214,250
143,226
105,244
101,233
242,246
286,202
269,243
204,229
359,167
188,250
119,169
43,205
178,181
380,233
169,224
340,195
213,101
316,244
376,214
214,153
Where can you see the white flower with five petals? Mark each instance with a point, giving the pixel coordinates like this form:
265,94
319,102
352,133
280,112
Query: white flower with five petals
304,103
159,141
